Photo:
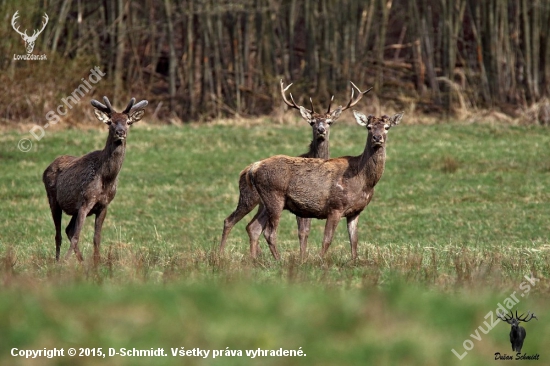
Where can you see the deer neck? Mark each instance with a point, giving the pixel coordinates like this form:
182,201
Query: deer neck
372,162
112,157
318,149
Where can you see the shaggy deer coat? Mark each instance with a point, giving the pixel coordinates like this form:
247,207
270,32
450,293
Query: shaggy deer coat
322,189
84,186
319,148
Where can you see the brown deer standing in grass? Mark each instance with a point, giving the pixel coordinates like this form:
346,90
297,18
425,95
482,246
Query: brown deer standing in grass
86,185
319,148
322,189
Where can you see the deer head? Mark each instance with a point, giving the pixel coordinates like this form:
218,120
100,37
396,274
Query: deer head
29,40
377,127
119,122
321,122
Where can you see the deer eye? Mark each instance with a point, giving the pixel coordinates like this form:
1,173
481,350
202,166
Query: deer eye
386,126
369,126
329,122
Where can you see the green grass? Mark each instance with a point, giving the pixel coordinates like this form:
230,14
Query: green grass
459,218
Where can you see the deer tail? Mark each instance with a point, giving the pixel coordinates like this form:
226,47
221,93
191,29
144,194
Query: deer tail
250,171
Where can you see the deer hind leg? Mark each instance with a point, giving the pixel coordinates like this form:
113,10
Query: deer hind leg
243,208
255,228
304,226
248,199
330,228
273,215
57,214
99,218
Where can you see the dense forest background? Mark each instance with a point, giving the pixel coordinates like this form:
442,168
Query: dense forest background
203,59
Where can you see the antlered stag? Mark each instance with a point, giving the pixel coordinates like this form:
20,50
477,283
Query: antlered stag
319,148
322,189
84,186
517,332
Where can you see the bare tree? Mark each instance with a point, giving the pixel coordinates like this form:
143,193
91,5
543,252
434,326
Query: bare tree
86,185
322,189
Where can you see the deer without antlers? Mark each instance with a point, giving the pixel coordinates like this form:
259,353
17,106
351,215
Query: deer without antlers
319,148
517,332
322,189
29,40
86,185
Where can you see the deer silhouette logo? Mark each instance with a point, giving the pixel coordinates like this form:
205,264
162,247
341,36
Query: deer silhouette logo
517,332
29,40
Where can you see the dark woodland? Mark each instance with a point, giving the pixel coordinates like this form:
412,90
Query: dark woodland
203,59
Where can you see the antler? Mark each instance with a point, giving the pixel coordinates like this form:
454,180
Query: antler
129,106
293,103
506,318
352,102
525,319
13,19
105,108
140,105
37,33
25,35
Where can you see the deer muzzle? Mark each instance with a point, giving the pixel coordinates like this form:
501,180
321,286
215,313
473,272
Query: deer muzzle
120,134
378,139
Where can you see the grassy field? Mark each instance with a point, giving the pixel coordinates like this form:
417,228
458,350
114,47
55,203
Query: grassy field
458,220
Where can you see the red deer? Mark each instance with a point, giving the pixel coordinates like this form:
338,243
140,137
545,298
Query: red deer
321,189
319,148
84,186
517,332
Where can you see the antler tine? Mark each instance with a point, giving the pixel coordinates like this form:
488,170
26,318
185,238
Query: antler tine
36,32
505,317
293,104
13,23
526,319
331,99
129,106
44,23
100,106
311,102
140,105
108,104
352,102
283,90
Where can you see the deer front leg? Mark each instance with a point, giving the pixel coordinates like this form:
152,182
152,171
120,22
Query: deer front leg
304,226
330,228
352,232
99,218
79,223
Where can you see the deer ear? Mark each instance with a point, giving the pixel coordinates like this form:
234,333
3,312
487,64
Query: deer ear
361,118
136,116
335,114
305,114
396,119
102,116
